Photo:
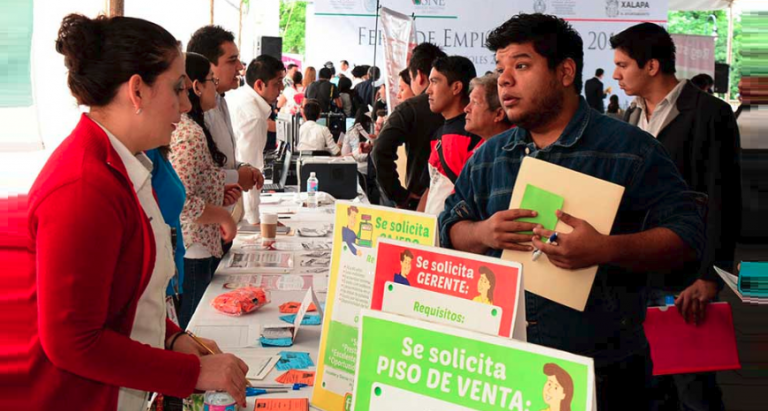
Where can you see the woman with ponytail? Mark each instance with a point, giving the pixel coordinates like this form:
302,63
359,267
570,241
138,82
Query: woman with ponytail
205,221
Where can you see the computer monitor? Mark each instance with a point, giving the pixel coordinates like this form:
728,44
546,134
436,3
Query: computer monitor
322,121
350,124
286,168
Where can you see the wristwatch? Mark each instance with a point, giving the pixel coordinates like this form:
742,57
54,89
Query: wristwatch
244,165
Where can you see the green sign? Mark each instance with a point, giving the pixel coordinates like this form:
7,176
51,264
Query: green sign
404,361
15,53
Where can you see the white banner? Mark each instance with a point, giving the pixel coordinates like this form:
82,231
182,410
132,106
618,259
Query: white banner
695,55
399,40
345,29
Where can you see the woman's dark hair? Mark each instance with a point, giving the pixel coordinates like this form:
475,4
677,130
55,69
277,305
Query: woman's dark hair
613,104
405,76
345,85
198,68
551,36
103,53
364,120
297,78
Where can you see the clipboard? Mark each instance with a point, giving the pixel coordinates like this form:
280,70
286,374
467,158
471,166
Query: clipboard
588,198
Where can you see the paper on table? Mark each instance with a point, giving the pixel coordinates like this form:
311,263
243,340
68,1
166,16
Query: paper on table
229,335
543,202
732,282
294,376
259,362
588,198
282,404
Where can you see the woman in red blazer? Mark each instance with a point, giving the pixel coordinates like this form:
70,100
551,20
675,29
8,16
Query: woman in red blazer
94,244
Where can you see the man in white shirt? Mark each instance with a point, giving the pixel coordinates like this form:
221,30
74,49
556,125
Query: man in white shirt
218,46
251,108
313,136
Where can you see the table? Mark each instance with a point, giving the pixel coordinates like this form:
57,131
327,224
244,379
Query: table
225,329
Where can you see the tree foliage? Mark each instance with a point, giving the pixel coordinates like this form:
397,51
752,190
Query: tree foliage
700,22
293,15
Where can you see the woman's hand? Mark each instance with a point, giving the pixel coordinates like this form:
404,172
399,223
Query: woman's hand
228,229
187,345
232,193
223,372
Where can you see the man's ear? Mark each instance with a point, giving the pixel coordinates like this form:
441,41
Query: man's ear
653,67
456,88
259,85
567,72
500,115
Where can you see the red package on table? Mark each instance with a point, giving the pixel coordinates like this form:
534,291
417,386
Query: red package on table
241,301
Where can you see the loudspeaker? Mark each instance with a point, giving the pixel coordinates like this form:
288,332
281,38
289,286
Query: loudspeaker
722,74
272,46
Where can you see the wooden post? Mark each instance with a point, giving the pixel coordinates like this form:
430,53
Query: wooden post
240,27
116,8
211,12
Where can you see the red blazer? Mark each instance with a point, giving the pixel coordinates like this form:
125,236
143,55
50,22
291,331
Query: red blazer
94,252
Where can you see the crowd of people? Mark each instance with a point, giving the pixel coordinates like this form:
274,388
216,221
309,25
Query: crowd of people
154,179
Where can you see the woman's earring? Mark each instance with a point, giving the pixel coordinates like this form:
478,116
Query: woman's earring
138,111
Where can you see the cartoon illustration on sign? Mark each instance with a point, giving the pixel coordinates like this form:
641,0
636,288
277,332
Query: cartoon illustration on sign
486,284
558,390
405,268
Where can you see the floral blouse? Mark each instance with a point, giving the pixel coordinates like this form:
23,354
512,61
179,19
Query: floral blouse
204,181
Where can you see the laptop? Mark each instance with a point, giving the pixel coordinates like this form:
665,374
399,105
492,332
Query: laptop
279,187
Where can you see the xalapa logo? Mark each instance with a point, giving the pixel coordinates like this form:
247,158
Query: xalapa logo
613,7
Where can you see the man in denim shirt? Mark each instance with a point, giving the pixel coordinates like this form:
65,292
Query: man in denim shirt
659,223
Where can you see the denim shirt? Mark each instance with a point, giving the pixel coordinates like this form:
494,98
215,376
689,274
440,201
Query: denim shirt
611,326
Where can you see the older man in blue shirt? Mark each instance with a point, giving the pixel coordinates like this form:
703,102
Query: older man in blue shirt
659,223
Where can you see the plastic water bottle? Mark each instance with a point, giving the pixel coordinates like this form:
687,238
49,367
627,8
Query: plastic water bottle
219,401
312,185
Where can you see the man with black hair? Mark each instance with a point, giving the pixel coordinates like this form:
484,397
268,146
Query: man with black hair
411,123
365,92
218,46
289,71
452,145
251,110
324,91
313,136
593,91
700,133
659,223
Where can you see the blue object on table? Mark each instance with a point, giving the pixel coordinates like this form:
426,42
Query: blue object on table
753,279
294,360
253,391
307,320
276,342
298,386
669,300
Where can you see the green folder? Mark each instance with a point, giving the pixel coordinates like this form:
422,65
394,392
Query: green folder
543,202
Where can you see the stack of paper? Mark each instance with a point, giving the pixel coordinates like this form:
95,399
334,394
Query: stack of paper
753,279
732,282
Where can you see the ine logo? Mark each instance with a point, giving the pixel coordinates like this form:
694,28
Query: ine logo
370,5
612,8
539,6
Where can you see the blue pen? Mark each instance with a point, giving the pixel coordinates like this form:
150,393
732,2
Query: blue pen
537,252
253,391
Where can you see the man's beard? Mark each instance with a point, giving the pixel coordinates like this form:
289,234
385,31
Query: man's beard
546,108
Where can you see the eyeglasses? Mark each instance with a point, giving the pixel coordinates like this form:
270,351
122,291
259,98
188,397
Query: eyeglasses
214,80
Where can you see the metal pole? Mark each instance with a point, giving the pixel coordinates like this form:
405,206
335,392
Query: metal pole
729,53
211,12
116,8
375,47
